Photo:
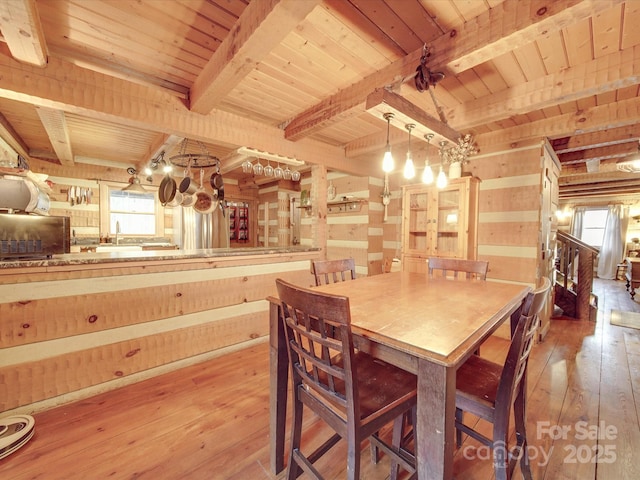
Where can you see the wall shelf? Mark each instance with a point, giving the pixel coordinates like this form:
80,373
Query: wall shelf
346,205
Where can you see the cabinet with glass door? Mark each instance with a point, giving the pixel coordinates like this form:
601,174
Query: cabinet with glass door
439,222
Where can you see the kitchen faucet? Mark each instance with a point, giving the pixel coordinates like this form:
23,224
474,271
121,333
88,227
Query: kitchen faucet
117,232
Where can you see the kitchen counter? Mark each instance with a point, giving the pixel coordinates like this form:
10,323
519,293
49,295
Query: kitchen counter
79,324
124,256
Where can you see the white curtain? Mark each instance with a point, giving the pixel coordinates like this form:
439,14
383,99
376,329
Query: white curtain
576,221
188,228
612,249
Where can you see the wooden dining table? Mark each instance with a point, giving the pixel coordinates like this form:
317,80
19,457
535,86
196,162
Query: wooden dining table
428,326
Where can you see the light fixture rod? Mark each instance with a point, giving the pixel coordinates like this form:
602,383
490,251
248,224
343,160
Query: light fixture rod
387,160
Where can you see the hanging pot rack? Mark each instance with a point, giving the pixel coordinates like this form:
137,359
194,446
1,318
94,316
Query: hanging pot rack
187,158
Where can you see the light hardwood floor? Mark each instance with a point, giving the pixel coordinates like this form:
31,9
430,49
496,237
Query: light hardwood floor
210,421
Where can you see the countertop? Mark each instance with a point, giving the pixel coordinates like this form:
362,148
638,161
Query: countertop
151,255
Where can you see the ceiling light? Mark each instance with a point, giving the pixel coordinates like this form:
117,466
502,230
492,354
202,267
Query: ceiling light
134,182
409,168
387,160
427,173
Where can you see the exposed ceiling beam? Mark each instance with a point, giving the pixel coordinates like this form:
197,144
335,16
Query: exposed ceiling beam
510,24
118,101
606,165
602,75
11,137
112,69
260,28
609,189
601,138
599,153
55,124
376,141
21,29
602,117
404,112
163,143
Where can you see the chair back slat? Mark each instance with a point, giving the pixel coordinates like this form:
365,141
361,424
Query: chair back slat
521,344
453,266
332,271
320,343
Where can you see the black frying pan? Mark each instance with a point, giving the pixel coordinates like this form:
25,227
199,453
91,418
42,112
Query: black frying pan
167,190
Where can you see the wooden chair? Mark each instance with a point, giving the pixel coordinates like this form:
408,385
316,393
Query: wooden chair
332,271
471,268
489,390
354,393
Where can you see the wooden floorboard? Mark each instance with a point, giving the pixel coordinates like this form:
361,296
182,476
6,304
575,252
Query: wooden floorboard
210,421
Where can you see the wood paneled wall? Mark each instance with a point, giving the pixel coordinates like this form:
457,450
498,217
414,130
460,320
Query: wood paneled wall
509,211
510,222
70,332
361,233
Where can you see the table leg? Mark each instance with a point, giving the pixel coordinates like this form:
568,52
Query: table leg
278,373
436,420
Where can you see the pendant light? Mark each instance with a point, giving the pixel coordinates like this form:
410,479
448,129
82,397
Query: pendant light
409,168
387,160
427,173
134,182
441,182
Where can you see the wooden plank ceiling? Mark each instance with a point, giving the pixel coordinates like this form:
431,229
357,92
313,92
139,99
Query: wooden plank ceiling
122,80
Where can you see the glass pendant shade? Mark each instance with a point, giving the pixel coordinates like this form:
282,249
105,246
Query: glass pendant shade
441,182
427,174
409,168
387,161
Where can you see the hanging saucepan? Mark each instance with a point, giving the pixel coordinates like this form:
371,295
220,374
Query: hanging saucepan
204,203
188,185
187,200
217,184
216,179
167,190
177,200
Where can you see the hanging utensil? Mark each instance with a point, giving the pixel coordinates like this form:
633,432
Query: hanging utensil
188,185
204,201
72,196
216,180
167,190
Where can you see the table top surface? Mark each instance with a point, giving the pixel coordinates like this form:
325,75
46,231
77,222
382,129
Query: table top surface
429,317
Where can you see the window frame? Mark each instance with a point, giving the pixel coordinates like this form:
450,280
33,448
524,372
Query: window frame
105,209
586,212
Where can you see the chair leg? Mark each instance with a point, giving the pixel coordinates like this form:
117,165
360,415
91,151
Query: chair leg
396,439
374,452
459,419
293,469
353,458
500,457
519,410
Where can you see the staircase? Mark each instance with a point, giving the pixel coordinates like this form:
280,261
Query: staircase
574,277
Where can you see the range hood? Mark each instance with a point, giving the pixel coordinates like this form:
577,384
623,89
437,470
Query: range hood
19,194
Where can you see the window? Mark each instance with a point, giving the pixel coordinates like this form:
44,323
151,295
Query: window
137,213
593,227
133,211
